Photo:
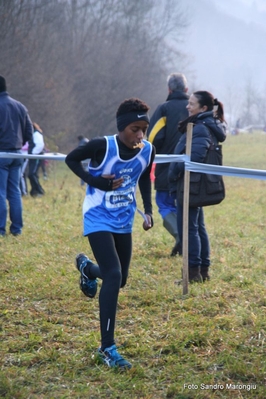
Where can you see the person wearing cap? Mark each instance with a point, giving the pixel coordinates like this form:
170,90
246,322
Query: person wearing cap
15,130
118,164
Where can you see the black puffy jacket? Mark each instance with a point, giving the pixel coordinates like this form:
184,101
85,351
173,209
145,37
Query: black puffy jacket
163,132
201,140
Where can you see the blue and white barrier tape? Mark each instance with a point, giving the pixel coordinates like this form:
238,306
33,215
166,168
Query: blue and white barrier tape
226,170
56,156
161,158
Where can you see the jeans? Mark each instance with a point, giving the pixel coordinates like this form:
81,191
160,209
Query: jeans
198,240
165,203
23,178
10,171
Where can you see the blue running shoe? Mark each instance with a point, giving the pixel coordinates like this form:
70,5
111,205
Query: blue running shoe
88,286
112,358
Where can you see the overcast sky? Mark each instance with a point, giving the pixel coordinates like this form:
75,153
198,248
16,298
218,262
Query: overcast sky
259,4
247,10
226,46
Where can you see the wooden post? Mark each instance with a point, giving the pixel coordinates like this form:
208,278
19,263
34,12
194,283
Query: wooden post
186,212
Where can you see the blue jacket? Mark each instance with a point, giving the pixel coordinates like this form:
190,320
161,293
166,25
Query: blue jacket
15,124
201,140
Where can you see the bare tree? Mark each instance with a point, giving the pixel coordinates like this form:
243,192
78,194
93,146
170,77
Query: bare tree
73,61
124,54
248,107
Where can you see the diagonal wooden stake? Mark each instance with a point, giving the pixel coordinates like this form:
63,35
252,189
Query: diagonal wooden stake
186,212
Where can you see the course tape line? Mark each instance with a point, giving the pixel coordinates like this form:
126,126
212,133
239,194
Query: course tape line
55,156
226,170
161,158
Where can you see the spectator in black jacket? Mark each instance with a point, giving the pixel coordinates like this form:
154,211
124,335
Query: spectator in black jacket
207,115
163,134
15,130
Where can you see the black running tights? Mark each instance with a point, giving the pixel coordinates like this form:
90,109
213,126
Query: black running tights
113,253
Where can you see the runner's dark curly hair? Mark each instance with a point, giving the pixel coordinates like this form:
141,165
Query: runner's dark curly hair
132,104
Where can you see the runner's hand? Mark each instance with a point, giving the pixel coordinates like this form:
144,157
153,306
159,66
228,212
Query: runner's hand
114,183
147,224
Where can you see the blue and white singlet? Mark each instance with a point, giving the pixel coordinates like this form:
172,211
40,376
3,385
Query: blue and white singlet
114,210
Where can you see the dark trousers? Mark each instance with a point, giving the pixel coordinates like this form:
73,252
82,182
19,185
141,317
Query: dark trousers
36,188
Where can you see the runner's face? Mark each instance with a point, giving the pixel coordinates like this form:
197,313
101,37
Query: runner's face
134,133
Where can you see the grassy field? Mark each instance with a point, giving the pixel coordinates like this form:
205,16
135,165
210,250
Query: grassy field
209,344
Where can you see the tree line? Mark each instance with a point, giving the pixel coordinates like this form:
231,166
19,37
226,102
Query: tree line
71,62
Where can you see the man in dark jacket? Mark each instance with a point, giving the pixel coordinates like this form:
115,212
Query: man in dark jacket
15,130
163,134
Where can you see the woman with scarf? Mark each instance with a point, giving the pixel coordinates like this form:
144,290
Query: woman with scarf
207,115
